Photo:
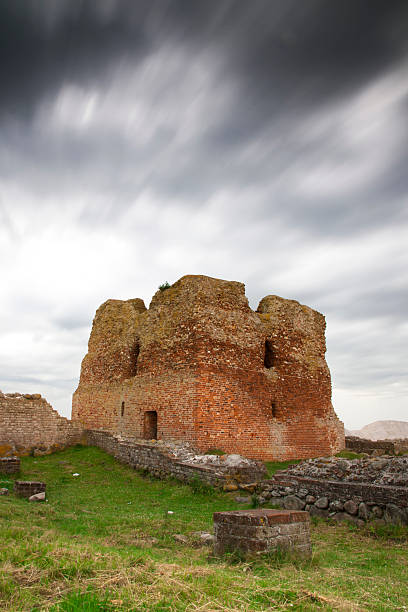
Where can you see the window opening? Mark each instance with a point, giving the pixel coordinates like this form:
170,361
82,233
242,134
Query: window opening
134,358
269,358
273,408
122,409
150,425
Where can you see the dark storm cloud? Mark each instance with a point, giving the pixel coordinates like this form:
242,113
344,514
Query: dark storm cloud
281,52
282,61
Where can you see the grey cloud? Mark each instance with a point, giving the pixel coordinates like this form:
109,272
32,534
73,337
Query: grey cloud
246,104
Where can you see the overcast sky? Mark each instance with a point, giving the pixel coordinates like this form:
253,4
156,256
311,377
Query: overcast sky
262,141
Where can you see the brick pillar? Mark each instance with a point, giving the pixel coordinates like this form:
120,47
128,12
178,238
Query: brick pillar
262,530
26,488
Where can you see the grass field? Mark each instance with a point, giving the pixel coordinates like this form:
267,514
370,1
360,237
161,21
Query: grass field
105,541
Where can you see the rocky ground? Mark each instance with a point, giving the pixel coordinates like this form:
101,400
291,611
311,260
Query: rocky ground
374,470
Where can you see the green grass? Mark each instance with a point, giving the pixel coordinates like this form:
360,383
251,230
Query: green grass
105,541
346,454
274,466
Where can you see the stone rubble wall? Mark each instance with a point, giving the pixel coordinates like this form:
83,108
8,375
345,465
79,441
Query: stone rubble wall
357,502
29,425
159,462
388,447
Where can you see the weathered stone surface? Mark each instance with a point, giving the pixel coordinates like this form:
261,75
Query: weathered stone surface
314,511
292,502
200,366
344,516
230,487
351,507
207,538
363,511
322,503
37,497
336,506
242,500
394,514
180,538
376,512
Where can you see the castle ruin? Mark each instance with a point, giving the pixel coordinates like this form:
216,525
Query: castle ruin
200,366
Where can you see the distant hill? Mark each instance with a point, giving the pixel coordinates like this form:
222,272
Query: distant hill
381,430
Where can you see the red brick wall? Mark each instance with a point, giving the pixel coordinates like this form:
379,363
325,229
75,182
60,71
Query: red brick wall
200,364
28,423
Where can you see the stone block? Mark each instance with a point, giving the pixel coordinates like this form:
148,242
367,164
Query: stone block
25,488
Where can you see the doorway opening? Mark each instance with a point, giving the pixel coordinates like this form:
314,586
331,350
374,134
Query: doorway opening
150,425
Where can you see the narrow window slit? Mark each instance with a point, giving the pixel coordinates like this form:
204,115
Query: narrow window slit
269,358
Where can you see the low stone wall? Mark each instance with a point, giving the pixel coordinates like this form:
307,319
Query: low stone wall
29,425
9,465
383,447
254,531
159,461
354,501
27,488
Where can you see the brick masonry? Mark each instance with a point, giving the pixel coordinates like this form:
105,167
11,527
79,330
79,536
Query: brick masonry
255,531
26,488
160,463
211,372
29,425
9,465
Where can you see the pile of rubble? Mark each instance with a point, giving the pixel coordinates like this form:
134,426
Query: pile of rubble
391,471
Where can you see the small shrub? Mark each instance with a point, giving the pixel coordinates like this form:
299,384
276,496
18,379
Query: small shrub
200,487
88,601
396,533
215,451
254,501
164,286
346,454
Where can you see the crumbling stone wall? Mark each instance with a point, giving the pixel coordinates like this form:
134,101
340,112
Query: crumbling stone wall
355,502
389,447
356,490
212,372
29,424
159,461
